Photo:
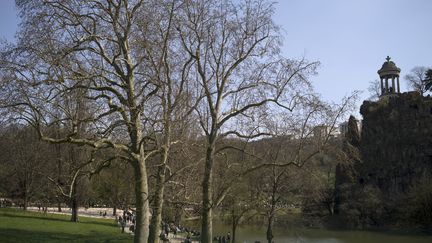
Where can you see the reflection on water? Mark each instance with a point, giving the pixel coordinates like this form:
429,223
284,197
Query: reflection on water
250,234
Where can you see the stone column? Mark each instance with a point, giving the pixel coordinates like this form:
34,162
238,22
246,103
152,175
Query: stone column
382,87
398,85
393,85
386,85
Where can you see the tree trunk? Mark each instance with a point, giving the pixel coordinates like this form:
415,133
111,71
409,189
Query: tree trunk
234,228
160,183
59,170
25,203
206,223
74,202
74,207
157,206
269,233
115,210
142,203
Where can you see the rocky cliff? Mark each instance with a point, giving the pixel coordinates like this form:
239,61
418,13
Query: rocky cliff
393,184
396,141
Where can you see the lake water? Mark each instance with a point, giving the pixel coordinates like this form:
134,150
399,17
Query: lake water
250,234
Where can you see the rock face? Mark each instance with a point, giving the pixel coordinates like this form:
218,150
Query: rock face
396,141
346,174
390,181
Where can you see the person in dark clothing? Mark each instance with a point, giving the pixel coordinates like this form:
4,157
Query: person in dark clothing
164,237
123,225
188,239
166,228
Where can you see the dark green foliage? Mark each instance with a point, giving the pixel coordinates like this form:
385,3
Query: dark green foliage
363,208
353,135
418,208
428,79
346,174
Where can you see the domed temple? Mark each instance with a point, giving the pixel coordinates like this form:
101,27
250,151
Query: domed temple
389,71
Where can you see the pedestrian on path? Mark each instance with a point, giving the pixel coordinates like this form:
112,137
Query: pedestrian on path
123,225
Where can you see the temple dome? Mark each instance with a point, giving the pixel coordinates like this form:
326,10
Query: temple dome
389,68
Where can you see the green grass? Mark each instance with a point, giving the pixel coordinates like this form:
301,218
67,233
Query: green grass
19,226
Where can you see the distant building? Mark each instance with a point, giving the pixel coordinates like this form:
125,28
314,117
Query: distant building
343,127
322,131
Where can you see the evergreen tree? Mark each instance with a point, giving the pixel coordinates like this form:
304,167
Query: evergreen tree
428,80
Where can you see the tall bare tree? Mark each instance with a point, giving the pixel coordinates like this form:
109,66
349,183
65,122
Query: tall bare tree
177,97
235,47
98,47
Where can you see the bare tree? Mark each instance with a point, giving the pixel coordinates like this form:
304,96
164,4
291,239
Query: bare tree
171,66
21,161
113,185
75,161
246,82
241,205
416,79
374,90
97,47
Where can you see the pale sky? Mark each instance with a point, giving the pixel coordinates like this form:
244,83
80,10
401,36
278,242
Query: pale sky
351,38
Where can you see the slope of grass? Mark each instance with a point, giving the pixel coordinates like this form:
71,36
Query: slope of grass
19,226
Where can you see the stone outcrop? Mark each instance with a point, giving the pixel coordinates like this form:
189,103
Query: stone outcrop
388,184
396,141
346,172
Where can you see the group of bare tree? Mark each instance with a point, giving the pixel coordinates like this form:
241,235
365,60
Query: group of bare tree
147,82
38,174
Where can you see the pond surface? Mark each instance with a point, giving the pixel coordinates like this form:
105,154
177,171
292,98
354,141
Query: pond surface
250,234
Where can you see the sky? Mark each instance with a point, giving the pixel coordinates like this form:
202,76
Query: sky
350,38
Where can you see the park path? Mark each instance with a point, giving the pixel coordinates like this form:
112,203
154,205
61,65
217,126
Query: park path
88,212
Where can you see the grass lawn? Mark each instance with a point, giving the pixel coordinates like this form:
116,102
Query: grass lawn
19,226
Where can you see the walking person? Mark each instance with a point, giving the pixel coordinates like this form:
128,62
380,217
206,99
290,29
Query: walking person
123,224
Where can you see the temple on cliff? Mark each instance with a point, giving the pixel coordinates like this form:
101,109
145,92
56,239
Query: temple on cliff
396,137
388,164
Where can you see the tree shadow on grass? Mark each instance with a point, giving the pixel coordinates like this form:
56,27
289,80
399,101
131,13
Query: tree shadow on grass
109,224
41,217
20,235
